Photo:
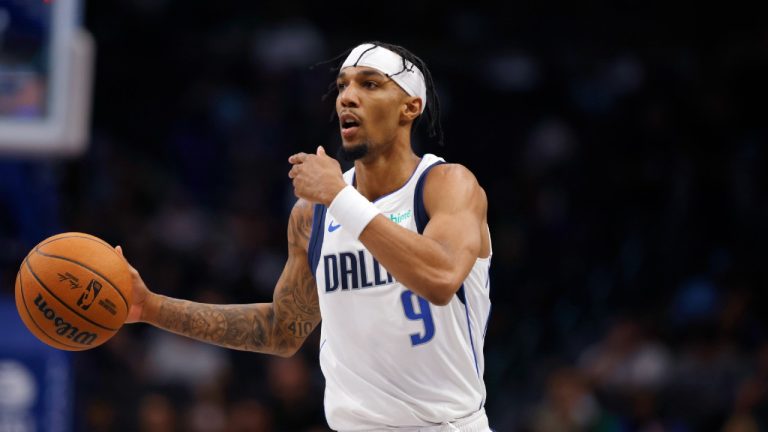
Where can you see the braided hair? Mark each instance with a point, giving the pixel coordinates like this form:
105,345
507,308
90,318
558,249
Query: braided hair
431,111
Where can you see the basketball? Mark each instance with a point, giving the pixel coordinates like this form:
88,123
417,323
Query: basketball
73,291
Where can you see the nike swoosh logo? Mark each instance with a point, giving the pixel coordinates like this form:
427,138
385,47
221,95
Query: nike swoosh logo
332,227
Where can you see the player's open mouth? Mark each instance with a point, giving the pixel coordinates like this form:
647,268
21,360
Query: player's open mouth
349,125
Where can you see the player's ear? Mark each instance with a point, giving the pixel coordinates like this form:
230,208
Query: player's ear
411,108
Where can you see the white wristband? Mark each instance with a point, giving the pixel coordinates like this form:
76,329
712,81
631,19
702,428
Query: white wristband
352,210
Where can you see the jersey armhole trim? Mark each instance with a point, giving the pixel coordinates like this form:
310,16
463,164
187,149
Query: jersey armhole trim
419,210
463,299
316,238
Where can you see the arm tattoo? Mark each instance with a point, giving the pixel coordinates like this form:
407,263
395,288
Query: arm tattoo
243,327
300,225
295,301
279,327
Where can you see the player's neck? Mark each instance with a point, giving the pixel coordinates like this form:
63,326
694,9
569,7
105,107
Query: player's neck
385,173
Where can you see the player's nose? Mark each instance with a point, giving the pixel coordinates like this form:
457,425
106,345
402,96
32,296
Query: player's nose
349,97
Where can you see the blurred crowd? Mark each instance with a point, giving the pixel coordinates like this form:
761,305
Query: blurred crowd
622,150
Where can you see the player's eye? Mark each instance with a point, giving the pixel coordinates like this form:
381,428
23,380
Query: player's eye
370,84
340,86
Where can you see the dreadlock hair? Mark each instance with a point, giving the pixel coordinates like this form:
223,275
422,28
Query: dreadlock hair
431,111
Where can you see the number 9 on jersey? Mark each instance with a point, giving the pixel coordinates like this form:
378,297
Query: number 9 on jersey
420,311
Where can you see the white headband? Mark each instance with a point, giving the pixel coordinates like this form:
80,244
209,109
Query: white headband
409,78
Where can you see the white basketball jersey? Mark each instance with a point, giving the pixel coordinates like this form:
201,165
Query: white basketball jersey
390,358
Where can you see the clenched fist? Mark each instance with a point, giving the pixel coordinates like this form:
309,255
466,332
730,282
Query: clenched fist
316,177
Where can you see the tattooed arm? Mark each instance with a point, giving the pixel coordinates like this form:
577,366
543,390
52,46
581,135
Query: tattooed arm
277,328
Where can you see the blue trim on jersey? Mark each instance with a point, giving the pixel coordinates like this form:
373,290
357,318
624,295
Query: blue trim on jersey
419,211
316,238
490,308
469,327
461,295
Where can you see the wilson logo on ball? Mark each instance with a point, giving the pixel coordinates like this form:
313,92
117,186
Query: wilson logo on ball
89,295
64,328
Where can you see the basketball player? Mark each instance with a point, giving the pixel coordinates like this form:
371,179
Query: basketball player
392,255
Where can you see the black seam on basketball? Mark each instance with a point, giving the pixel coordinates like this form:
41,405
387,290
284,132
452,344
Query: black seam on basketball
29,314
127,306
101,242
63,303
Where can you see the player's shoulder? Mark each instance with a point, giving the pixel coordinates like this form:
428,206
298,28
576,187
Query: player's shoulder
451,178
302,207
451,181
300,223
451,172
303,211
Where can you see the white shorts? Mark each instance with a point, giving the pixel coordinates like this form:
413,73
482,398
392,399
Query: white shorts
476,422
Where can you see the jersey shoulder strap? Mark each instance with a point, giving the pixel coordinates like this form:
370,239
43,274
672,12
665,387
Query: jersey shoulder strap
316,237
419,210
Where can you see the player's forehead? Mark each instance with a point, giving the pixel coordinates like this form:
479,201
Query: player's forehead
352,72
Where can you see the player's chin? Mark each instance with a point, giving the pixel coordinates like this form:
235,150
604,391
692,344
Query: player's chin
352,142
353,150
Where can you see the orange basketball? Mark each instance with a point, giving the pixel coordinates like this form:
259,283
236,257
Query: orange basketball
73,291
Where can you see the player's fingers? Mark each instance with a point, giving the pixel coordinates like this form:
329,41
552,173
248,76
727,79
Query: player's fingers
133,271
294,171
297,158
321,151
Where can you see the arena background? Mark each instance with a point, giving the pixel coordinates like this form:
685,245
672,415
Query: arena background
622,147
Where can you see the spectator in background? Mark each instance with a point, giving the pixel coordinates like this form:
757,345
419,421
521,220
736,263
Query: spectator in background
629,369
249,415
157,414
570,406
208,411
626,360
741,423
294,403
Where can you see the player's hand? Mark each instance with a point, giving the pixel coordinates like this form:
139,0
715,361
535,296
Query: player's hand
316,177
139,293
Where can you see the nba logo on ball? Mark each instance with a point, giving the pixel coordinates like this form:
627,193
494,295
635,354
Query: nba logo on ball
89,295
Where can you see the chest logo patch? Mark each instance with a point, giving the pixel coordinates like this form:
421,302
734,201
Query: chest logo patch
400,217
